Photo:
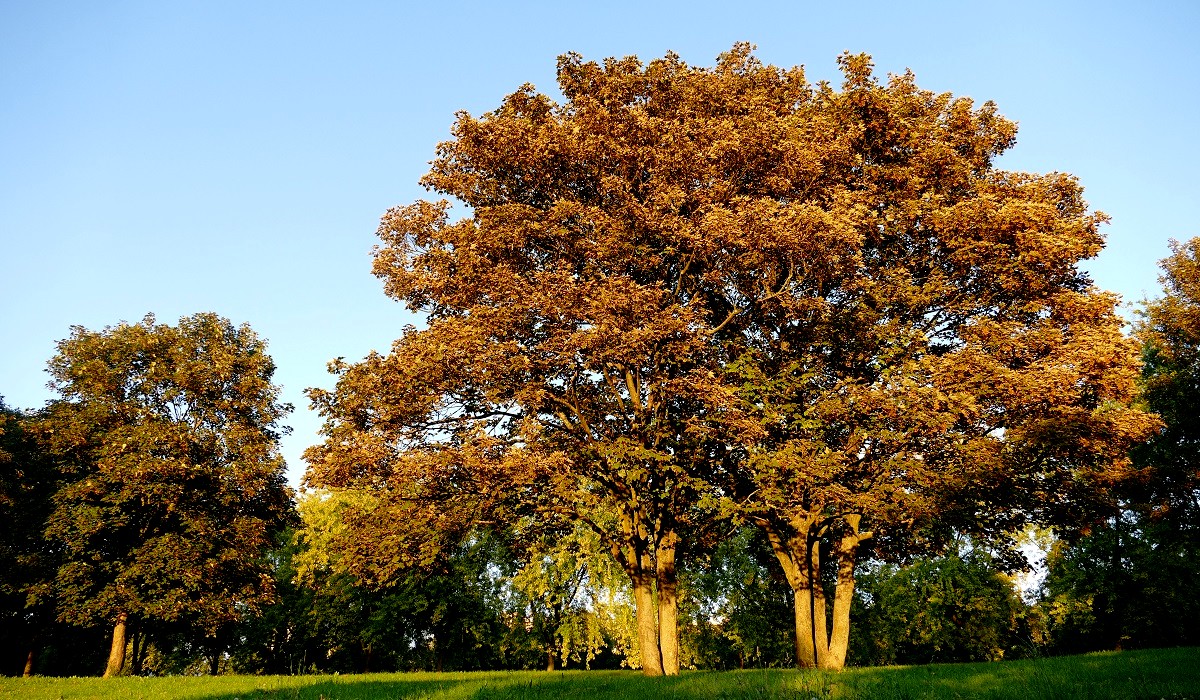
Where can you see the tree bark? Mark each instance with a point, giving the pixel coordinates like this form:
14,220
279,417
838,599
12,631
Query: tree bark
28,672
792,554
550,659
643,604
820,619
668,605
116,654
820,642
846,552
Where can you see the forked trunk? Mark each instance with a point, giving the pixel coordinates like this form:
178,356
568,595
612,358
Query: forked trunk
819,644
116,654
668,607
643,603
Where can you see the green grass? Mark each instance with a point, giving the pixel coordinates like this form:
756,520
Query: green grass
1164,673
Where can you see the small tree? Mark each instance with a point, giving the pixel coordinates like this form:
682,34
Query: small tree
168,440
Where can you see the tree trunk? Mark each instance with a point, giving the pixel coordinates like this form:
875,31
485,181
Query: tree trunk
792,554
817,645
550,659
668,606
116,655
643,604
820,619
28,663
135,648
806,653
846,552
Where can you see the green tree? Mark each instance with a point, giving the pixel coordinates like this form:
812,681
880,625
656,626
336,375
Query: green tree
956,607
168,441
28,479
736,598
1127,583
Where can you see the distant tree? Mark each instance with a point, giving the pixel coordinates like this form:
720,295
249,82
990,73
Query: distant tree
28,479
956,607
168,441
736,599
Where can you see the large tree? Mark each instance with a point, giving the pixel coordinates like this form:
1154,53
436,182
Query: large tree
168,439
930,359
682,284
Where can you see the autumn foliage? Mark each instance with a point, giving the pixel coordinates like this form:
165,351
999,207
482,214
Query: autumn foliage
687,294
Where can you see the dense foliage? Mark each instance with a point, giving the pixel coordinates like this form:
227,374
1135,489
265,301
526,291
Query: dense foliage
685,294
713,348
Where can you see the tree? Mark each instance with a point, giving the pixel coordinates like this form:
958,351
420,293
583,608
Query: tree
568,366
168,440
27,560
686,283
956,607
1170,332
1127,583
928,360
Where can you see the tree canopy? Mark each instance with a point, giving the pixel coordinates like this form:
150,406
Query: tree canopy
167,438
688,292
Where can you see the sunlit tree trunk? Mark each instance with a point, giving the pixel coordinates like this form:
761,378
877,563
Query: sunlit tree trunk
643,603
792,554
820,642
668,604
845,551
116,655
28,663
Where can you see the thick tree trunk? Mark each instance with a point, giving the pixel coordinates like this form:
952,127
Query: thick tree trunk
116,655
668,606
643,604
846,550
550,659
28,663
792,554
819,644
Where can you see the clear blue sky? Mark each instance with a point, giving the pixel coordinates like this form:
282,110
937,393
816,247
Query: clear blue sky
177,157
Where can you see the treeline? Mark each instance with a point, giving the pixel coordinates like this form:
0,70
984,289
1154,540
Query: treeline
719,361
493,600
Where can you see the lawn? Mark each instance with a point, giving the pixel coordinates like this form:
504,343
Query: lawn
1165,673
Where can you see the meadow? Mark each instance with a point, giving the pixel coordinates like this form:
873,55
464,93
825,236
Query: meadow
1172,674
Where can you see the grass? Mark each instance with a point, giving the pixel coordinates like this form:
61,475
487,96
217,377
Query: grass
1164,673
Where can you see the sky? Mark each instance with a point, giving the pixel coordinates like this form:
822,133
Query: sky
235,157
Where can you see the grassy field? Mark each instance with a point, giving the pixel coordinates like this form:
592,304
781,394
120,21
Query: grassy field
1167,673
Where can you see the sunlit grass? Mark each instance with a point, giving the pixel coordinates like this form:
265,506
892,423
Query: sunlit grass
1168,673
